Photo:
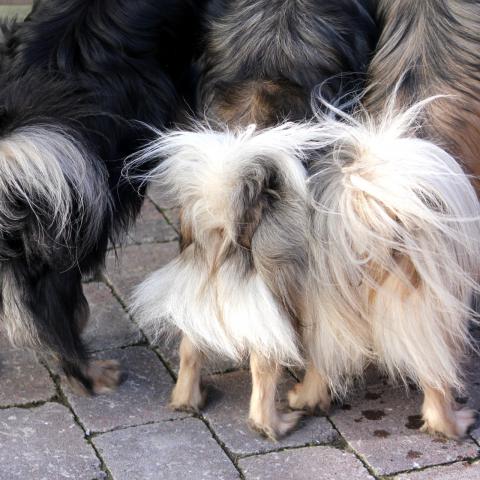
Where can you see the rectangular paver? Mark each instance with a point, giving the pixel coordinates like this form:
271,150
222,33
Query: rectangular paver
457,471
151,227
135,262
179,450
44,443
22,378
313,463
109,326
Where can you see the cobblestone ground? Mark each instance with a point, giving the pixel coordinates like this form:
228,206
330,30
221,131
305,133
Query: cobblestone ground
48,432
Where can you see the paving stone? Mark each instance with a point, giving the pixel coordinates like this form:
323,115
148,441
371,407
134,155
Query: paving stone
227,411
150,227
169,352
180,450
319,463
109,326
22,378
382,425
44,443
173,214
457,471
135,263
142,398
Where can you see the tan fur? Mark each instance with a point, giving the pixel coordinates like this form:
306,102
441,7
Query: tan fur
186,233
261,102
187,394
311,394
439,52
442,416
264,416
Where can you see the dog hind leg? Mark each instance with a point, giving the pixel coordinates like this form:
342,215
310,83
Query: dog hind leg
264,416
441,414
311,393
187,394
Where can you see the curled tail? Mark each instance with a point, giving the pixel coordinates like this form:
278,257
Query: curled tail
237,285
397,232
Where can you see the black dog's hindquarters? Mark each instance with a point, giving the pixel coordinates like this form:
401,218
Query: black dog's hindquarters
80,81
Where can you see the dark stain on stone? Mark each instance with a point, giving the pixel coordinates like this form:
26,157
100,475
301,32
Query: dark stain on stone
373,414
412,454
381,433
415,422
372,396
346,406
358,420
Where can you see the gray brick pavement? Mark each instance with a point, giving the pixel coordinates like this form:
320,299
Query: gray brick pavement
132,434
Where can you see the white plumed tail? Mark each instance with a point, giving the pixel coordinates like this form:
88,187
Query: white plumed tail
243,200
49,172
396,257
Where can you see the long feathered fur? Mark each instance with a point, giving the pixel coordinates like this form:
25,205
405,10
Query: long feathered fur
396,234
243,198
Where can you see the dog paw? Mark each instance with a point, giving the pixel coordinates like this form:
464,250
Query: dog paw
455,425
98,377
308,398
188,400
276,427
106,375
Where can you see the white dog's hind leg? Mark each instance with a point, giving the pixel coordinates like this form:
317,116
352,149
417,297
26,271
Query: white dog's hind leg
264,416
187,394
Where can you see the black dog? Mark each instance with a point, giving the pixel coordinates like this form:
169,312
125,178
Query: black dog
80,80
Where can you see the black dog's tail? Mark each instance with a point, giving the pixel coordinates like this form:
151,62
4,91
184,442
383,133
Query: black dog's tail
50,183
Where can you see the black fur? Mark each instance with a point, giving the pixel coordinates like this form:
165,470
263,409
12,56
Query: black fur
99,70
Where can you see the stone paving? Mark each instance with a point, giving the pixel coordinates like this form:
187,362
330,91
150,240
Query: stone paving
47,432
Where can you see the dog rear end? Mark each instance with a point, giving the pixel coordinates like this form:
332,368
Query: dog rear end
242,273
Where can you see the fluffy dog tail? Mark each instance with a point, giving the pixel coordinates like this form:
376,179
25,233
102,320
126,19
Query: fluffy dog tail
397,232
50,183
236,287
